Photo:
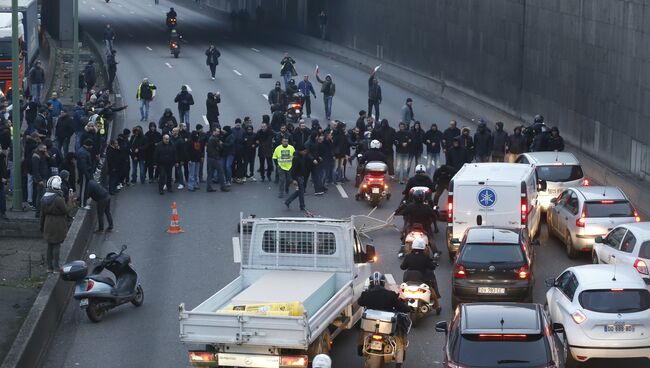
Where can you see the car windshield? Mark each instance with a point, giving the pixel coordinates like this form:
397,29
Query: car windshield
496,351
644,251
559,173
609,209
491,253
615,301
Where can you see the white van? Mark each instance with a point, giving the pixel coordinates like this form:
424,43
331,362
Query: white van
492,194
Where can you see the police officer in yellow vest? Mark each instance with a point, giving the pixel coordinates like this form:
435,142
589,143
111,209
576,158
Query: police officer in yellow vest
283,157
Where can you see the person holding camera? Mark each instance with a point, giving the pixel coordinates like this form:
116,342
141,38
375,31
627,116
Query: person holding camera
212,59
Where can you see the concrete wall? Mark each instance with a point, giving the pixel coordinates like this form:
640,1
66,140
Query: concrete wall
583,64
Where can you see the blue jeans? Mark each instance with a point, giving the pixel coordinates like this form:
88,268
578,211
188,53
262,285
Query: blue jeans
323,31
285,180
327,100
401,161
318,177
328,171
108,45
184,117
135,165
300,193
193,180
36,90
414,160
77,141
215,172
227,166
432,162
144,109
287,77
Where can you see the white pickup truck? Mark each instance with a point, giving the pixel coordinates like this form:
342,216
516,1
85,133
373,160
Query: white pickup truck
298,287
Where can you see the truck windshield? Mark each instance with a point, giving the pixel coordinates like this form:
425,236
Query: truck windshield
559,173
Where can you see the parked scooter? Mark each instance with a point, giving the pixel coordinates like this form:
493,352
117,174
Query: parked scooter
99,293
380,343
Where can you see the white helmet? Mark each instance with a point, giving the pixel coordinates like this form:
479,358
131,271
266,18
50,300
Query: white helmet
420,169
375,144
54,182
321,361
418,244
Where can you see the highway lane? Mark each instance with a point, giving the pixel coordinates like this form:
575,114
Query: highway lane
192,266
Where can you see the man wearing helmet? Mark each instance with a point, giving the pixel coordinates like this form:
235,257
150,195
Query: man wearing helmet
372,154
54,224
417,212
321,361
420,179
419,267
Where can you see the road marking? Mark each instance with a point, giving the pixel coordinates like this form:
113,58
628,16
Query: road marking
236,72
149,48
390,280
236,250
205,120
132,12
341,191
92,8
189,89
103,16
168,65
265,96
118,96
254,49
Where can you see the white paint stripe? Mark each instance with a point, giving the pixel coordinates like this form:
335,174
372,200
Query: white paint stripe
236,250
149,48
254,49
236,72
118,96
132,12
168,65
103,16
205,120
390,280
265,96
189,89
341,191
92,8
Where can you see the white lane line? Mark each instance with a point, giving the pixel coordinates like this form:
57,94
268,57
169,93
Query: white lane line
92,9
132,12
236,250
254,49
168,65
118,96
103,16
205,120
265,96
341,191
149,48
189,89
390,280
236,72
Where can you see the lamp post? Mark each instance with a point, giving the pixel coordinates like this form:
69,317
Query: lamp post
15,112
75,51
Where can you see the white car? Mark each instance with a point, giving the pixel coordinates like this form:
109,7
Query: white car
603,312
628,245
579,215
560,170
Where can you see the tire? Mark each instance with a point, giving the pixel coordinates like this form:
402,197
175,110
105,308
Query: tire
373,361
266,75
569,362
94,312
594,257
139,296
570,250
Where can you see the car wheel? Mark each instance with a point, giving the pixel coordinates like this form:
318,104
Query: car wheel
594,257
569,362
570,250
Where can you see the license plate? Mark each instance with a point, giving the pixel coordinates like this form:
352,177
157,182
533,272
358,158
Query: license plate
375,190
83,303
491,290
246,360
619,327
376,345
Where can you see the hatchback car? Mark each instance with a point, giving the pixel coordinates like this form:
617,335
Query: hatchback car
627,244
493,264
604,312
578,215
499,335
560,170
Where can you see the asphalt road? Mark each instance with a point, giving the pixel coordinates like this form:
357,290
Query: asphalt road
192,266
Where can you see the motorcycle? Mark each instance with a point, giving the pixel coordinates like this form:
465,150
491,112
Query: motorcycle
99,293
294,110
380,344
418,295
174,48
171,23
374,187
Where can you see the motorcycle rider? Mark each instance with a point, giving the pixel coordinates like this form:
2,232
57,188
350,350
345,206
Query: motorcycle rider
321,361
417,212
441,178
420,179
372,154
419,267
171,14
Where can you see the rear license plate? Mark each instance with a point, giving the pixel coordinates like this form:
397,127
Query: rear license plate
491,290
377,345
247,360
375,190
83,303
619,327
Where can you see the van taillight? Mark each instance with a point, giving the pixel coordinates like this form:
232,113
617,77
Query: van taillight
580,221
524,209
450,208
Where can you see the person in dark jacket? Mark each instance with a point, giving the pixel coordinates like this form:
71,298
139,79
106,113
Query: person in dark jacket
467,143
214,151
328,89
111,66
40,170
341,147
456,155
300,136
124,152
361,121
264,142
287,68
54,221
499,141
165,158
482,143
418,261
307,89
374,94
113,166
516,144
212,109
385,134
402,143
180,144
90,75
64,130
41,122
277,98
448,136
228,153
100,195
37,80
441,179
138,146
212,59
238,168
300,167
196,151
152,137
249,146
407,115
433,139
420,179
416,148
184,100
555,142
69,164
167,122
85,167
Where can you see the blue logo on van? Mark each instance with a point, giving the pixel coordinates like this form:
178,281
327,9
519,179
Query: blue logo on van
487,197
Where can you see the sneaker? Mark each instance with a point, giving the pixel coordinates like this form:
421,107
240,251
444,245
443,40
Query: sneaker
212,78
180,186
165,187
319,193
109,229
86,207
287,204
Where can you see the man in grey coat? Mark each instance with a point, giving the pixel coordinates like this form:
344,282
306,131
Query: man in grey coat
407,113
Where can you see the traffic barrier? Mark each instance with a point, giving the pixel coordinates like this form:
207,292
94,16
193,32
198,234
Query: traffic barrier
174,226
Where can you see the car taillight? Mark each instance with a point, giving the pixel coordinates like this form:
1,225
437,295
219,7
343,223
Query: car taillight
524,272
459,272
578,317
294,361
580,221
89,284
524,209
450,208
202,357
641,266
637,218
585,182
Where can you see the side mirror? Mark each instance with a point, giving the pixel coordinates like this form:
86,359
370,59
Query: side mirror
442,327
554,200
92,256
371,254
599,239
541,185
550,282
558,328
479,220
455,240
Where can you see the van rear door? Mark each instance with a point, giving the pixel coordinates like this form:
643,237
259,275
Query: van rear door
496,204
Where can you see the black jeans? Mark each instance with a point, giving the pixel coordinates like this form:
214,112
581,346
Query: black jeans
213,69
269,166
52,256
104,209
374,103
165,177
249,163
308,105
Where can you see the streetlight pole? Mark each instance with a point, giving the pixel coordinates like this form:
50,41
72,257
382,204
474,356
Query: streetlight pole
75,51
15,112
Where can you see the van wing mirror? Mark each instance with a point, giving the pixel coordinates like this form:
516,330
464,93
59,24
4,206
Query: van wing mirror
371,254
554,200
599,239
550,282
442,327
541,185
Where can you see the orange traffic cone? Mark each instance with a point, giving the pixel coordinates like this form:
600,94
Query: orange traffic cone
174,226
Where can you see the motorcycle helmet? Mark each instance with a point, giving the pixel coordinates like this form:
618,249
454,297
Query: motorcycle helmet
375,144
377,279
418,196
54,182
321,361
420,169
539,119
418,244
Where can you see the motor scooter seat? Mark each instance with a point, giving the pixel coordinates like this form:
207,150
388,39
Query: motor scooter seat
106,280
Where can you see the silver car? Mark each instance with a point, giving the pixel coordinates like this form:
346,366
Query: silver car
561,170
578,215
